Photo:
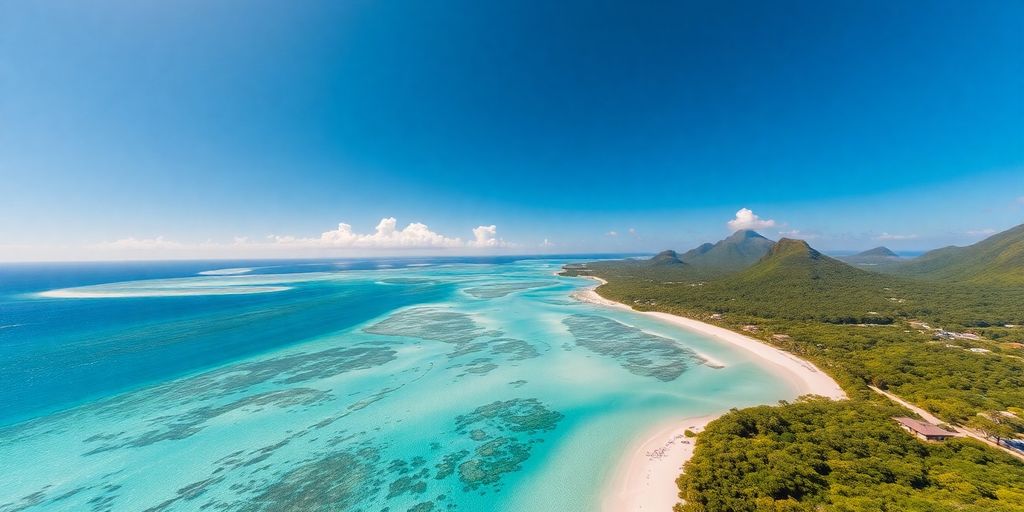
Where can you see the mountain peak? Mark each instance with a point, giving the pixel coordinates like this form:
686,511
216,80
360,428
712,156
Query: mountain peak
702,248
740,250
796,262
880,251
744,234
668,257
792,247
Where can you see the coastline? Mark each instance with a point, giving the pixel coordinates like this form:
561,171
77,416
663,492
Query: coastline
645,479
803,375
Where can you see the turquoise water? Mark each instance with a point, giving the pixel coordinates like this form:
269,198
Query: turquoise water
415,386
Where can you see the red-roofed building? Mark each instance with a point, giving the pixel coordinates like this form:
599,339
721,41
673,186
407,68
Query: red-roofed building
924,430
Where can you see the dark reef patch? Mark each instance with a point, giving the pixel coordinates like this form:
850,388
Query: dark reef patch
425,506
527,415
434,324
187,424
520,423
339,481
411,484
517,350
492,460
639,352
479,366
292,368
513,349
448,464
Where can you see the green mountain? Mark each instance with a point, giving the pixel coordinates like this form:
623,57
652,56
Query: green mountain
795,265
878,252
699,251
668,257
740,250
996,260
804,302
873,257
795,281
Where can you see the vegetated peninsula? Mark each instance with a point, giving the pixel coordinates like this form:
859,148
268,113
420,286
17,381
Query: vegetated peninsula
872,257
937,333
996,261
879,252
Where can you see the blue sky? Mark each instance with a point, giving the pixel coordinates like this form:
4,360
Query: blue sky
193,128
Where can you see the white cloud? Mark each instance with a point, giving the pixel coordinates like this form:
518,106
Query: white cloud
486,236
384,239
632,232
133,243
612,233
981,232
547,243
386,235
888,236
747,219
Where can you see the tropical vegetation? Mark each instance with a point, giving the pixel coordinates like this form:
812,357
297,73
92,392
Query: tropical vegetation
941,333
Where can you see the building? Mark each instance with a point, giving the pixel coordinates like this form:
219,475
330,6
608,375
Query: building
924,430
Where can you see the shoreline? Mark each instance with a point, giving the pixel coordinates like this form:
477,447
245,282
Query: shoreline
645,478
803,375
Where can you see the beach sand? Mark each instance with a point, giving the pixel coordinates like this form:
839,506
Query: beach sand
645,479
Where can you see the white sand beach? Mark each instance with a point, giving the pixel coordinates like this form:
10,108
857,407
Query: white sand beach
804,375
645,479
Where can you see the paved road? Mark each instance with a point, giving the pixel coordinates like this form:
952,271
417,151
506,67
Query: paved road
929,417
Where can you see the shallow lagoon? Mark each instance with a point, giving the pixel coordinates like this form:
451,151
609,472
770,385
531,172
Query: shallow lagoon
440,387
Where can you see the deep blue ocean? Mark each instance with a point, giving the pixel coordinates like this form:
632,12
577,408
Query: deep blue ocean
56,352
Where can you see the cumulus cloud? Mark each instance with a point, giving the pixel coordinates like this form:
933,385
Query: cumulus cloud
387,235
486,236
547,243
747,219
889,236
612,233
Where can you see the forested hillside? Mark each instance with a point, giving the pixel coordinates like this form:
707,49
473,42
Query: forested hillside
741,249
821,455
949,345
997,260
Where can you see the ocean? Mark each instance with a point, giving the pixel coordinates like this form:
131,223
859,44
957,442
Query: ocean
358,385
